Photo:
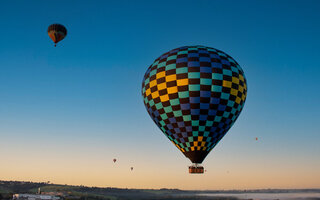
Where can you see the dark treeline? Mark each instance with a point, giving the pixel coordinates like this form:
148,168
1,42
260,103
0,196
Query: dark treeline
8,188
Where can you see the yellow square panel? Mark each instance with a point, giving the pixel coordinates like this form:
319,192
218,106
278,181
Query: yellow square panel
172,77
172,90
226,84
164,98
182,82
234,92
153,83
148,92
240,88
238,100
155,94
241,77
161,74
200,138
162,86
235,80
243,97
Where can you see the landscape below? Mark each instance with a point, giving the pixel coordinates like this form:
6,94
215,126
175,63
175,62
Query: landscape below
70,192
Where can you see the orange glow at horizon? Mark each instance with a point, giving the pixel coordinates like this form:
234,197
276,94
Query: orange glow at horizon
222,173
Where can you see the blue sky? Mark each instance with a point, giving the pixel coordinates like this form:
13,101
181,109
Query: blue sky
82,100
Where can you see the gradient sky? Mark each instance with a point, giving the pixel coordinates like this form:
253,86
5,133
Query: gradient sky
66,112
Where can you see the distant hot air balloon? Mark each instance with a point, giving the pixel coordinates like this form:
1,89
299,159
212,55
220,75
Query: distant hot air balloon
256,138
57,32
114,160
194,94
131,168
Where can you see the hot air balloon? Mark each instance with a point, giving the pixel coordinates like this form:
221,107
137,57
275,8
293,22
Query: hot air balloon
114,160
57,32
256,138
131,168
194,94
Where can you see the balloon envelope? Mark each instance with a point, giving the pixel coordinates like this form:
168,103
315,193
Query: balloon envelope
57,32
194,94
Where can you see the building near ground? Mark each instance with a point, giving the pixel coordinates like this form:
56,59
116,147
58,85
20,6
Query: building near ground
34,197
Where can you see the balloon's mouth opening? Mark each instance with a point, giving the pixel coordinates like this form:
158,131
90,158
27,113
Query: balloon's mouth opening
196,156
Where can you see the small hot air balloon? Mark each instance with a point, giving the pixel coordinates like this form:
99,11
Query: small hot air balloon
194,94
114,160
131,168
256,138
57,32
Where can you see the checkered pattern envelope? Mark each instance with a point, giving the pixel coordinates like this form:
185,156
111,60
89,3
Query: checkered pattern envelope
194,94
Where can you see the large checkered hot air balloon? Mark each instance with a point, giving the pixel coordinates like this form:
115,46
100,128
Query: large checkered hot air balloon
57,32
194,94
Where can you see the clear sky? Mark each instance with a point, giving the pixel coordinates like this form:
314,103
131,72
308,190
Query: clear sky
66,112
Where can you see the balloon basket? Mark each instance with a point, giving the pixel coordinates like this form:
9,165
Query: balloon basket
196,169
